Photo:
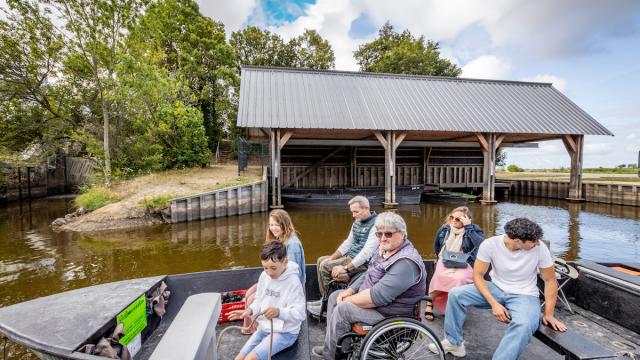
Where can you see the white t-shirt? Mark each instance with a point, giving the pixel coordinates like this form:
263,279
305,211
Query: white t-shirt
514,272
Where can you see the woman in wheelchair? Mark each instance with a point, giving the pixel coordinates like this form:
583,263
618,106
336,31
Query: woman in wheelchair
391,287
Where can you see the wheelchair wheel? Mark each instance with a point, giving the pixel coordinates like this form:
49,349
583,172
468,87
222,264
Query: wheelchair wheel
400,338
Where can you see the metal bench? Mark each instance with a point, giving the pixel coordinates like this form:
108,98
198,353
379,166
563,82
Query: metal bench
192,334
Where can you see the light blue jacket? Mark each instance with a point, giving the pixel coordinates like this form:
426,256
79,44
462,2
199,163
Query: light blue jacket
295,253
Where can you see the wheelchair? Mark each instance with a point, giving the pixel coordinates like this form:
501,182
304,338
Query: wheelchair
397,337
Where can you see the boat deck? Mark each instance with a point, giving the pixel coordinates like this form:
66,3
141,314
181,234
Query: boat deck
482,334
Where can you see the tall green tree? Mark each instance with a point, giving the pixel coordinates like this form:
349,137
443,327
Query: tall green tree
95,31
195,47
403,53
33,102
312,51
260,47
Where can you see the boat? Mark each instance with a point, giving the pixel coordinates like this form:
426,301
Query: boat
406,195
603,321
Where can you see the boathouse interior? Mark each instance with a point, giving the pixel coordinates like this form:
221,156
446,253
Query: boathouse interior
349,130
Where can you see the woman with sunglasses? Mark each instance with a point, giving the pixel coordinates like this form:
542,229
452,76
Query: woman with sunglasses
458,234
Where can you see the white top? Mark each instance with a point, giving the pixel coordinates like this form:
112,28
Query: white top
514,272
286,294
365,254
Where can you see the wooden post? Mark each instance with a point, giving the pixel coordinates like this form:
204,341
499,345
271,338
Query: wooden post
276,195
574,145
354,166
488,143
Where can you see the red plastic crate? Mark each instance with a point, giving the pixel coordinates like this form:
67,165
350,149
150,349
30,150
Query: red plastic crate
228,307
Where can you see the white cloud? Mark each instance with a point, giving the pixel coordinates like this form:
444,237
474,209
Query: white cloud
558,82
232,14
332,19
486,67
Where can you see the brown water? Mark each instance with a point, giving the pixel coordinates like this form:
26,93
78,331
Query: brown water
35,261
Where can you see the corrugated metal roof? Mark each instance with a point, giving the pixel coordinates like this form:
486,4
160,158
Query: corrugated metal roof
313,99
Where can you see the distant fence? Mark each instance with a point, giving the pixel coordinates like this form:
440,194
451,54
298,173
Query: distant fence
235,200
600,193
60,177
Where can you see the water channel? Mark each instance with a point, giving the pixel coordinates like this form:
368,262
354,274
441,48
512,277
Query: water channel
35,261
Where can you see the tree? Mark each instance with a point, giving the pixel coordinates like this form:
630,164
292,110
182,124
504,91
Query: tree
514,168
258,47
195,47
94,37
402,53
34,107
501,158
312,51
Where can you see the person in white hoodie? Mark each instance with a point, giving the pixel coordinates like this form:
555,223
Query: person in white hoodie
279,302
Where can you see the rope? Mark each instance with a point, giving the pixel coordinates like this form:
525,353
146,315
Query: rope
250,326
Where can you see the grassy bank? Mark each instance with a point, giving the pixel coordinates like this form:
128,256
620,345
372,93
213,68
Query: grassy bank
153,191
599,178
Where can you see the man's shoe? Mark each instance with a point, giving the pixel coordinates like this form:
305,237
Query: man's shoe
457,351
318,351
314,310
315,302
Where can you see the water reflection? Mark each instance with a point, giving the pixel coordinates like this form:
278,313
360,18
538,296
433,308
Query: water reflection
36,261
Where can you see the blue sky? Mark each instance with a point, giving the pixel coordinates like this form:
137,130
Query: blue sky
588,49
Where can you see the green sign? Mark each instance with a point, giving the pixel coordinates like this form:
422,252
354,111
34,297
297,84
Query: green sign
134,318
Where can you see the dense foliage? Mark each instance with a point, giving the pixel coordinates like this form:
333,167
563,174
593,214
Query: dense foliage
403,53
137,85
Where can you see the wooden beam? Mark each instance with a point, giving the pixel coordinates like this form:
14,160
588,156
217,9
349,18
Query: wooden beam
569,144
315,166
398,140
499,140
381,138
285,138
483,142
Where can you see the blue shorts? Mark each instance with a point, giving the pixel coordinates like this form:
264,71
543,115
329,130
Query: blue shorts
259,343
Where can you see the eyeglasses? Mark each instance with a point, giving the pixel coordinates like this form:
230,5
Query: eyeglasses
386,234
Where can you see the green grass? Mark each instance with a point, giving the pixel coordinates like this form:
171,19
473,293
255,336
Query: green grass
157,202
95,198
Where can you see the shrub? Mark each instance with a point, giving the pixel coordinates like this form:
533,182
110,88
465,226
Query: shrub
95,198
156,203
514,168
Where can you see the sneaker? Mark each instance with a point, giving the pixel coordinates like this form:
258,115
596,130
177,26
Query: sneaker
314,303
314,310
457,351
318,351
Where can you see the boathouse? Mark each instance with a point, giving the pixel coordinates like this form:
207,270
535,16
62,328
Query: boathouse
330,130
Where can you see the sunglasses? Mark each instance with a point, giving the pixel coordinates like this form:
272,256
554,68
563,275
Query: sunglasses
454,218
386,234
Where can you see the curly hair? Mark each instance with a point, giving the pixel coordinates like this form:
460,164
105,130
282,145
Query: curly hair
523,229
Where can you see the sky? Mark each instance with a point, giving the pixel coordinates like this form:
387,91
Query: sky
588,49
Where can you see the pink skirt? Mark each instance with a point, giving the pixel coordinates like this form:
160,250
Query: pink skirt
445,279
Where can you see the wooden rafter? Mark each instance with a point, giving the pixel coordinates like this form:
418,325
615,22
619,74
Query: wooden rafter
285,138
381,138
483,142
569,143
399,140
499,140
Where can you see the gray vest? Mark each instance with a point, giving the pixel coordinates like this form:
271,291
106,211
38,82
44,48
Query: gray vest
360,231
405,302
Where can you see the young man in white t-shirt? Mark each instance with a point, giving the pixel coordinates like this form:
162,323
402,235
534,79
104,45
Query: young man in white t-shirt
512,294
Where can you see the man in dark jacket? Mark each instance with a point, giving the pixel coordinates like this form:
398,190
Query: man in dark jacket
354,252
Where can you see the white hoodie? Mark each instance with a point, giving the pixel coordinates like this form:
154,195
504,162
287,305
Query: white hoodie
286,294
